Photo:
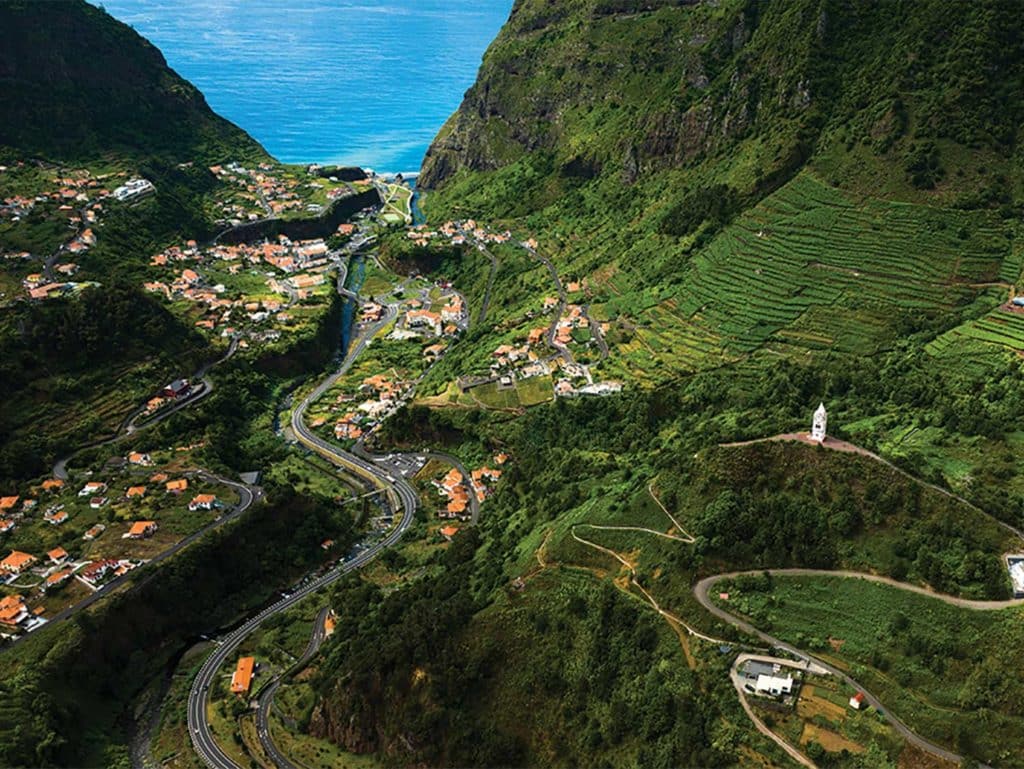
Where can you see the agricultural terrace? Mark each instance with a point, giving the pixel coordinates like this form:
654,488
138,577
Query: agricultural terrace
825,727
946,672
977,345
813,268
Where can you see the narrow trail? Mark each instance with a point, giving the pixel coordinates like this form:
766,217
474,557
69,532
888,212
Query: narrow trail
689,537
674,621
759,724
702,591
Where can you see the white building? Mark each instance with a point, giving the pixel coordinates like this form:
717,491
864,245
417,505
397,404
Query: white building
773,685
133,189
819,424
1017,575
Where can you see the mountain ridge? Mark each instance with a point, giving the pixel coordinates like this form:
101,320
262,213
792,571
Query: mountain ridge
81,83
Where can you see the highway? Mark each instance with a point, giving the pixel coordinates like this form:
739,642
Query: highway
199,728
399,496
266,699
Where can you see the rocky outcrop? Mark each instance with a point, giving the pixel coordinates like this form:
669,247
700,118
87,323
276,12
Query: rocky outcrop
640,86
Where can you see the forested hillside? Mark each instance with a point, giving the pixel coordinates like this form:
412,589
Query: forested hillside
75,83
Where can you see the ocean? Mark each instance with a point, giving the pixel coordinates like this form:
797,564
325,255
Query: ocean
360,82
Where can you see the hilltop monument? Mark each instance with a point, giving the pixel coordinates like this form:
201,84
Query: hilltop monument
819,424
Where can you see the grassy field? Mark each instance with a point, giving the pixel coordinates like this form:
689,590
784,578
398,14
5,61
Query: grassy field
943,670
523,392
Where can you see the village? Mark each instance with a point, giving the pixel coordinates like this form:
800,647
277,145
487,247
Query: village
64,540
270,190
254,292
415,330
58,212
558,349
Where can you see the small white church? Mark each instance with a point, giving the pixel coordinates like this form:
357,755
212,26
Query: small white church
819,424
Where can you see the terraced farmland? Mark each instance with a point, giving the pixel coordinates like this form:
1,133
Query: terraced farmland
811,268
976,344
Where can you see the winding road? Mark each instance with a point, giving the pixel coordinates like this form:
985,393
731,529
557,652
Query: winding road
265,703
398,495
563,301
129,425
702,591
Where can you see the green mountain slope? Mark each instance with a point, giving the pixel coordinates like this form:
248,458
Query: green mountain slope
769,203
743,92
75,82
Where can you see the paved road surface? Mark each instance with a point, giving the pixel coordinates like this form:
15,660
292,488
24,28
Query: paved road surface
266,700
128,426
701,591
563,301
198,725
399,495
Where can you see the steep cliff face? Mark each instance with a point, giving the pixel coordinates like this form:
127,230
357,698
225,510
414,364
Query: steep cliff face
75,82
633,86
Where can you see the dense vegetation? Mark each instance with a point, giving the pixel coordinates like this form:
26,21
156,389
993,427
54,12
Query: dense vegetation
589,463
568,667
76,83
769,204
54,355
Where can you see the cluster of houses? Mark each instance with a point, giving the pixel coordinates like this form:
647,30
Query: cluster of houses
303,263
79,196
421,320
457,233
573,318
281,253
264,190
176,391
381,397
48,574
456,489
26,572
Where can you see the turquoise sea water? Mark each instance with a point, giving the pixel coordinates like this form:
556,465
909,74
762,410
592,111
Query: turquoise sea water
365,82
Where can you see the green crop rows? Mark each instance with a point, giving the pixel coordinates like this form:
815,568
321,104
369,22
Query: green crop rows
812,268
